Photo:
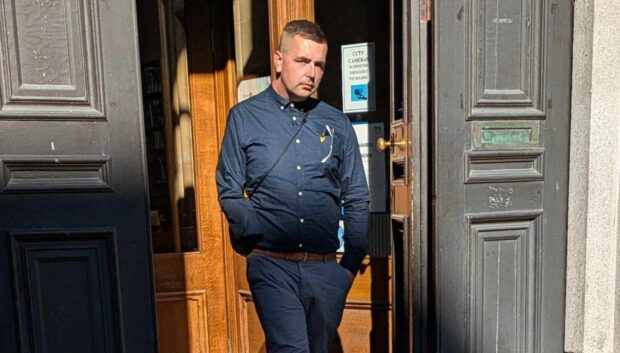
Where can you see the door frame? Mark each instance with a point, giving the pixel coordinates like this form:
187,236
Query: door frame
417,76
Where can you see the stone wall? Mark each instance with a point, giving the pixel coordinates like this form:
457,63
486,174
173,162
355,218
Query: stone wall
593,258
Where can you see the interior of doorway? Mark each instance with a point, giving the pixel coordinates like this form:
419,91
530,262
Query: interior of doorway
347,24
174,233
172,176
168,128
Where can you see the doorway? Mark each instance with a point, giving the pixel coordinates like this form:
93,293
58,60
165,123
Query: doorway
358,81
367,321
187,91
198,59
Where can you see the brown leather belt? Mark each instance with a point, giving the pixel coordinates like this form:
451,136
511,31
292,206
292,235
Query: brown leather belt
300,256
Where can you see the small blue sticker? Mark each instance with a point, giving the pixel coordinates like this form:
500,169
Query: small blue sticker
359,92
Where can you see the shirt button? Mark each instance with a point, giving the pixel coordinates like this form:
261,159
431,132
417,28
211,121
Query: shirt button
300,193
298,141
293,105
281,107
298,167
301,220
294,118
301,245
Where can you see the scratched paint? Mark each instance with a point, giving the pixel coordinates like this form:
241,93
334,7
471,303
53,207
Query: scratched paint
502,20
500,198
46,53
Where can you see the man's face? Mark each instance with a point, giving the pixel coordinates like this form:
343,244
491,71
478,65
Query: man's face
300,63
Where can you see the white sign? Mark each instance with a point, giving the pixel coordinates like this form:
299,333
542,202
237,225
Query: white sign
358,77
252,87
374,163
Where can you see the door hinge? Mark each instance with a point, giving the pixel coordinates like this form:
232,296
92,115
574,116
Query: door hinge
425,10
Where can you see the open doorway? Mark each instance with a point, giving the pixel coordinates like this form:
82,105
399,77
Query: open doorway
199,58
186,75
168,128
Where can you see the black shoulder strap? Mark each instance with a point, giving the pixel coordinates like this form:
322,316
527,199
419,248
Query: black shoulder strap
247,194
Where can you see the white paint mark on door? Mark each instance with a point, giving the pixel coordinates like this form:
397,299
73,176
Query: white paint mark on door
502,20
500,198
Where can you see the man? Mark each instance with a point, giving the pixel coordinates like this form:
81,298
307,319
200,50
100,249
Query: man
288,162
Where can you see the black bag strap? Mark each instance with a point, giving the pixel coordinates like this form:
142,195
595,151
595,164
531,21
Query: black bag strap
247,194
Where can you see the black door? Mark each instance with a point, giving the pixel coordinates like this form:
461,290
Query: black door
75,262
501,127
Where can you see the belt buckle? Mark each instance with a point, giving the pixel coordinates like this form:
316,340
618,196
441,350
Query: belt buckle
305,256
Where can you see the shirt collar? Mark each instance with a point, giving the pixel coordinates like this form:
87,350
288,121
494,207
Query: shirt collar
284,103
281,101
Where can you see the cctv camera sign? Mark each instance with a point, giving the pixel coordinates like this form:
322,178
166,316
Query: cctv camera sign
358,77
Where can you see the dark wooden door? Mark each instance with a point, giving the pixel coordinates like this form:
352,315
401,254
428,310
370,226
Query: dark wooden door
75,254
501,122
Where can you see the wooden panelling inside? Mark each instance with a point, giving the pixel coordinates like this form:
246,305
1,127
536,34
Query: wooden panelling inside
184,327
211,87
354,333
251,332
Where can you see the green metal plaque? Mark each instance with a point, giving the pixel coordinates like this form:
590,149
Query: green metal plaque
505,135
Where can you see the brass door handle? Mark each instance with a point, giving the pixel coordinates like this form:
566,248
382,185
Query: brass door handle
382,144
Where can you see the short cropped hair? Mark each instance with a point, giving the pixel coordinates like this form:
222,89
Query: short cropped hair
304,28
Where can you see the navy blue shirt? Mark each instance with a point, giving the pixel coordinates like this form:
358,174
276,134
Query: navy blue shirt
296,208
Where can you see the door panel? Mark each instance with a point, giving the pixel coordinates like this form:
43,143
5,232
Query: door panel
502,85
195,287
75,261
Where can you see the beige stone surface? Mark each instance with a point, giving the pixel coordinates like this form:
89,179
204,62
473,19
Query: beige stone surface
592,302
578,174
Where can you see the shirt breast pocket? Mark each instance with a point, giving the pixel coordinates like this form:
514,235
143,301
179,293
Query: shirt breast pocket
331,163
